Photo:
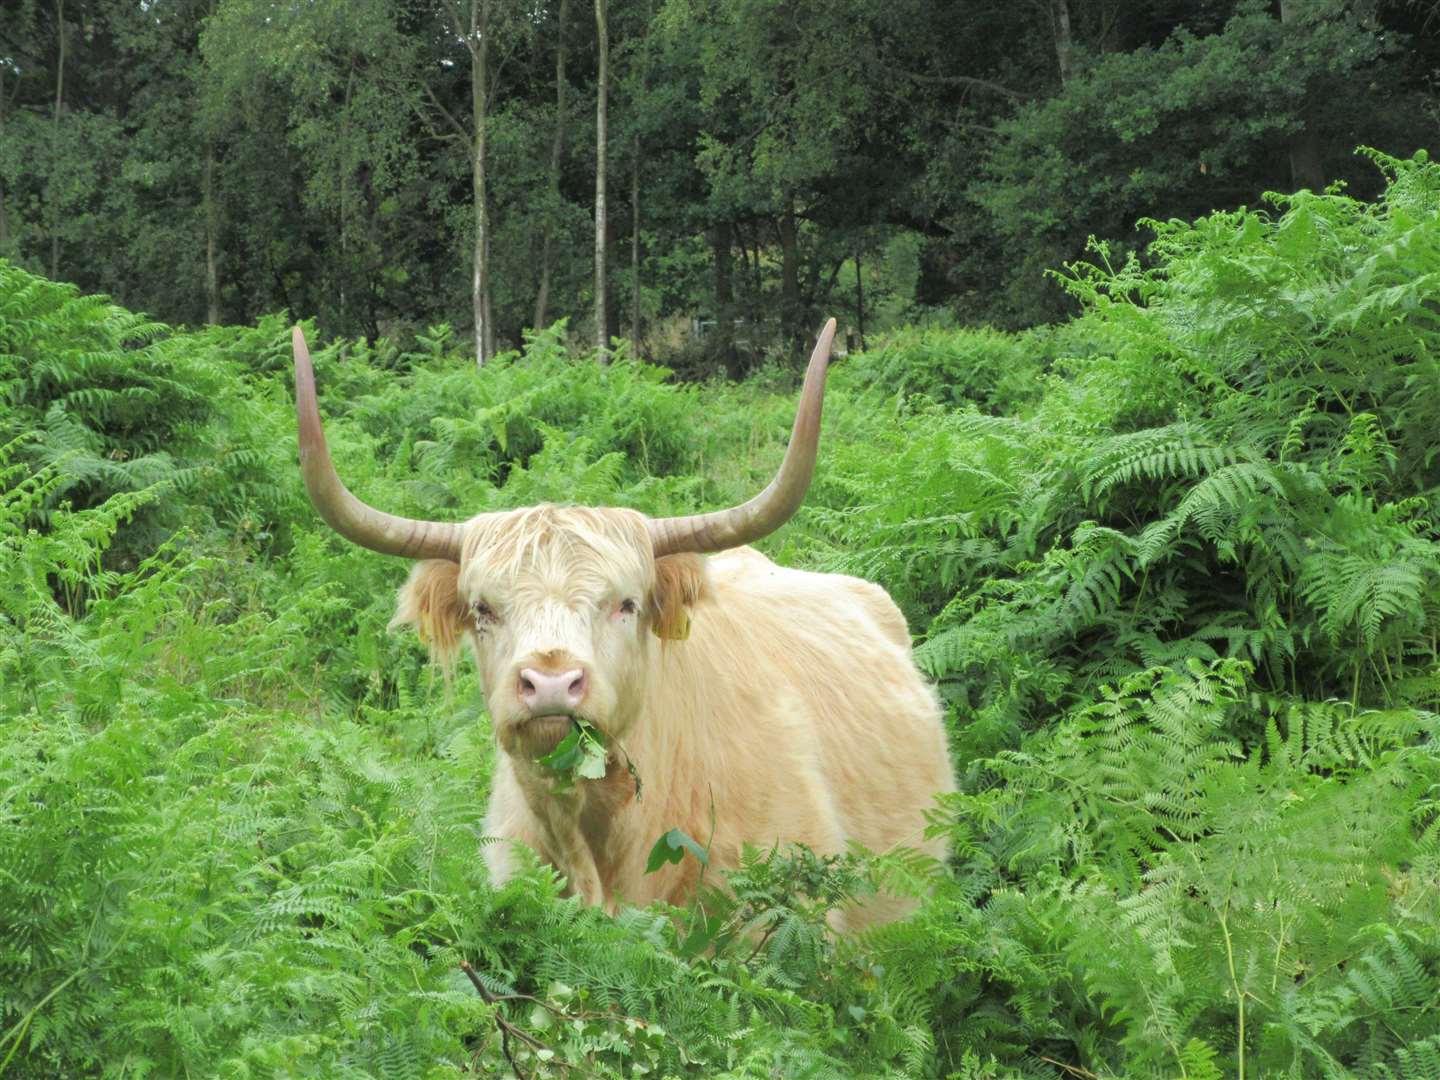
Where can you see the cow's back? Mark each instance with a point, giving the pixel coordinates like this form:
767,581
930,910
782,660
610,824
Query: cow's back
818,725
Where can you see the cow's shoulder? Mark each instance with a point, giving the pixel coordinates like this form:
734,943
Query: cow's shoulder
744,572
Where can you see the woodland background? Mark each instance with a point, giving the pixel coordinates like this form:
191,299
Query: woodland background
1162,521
209,161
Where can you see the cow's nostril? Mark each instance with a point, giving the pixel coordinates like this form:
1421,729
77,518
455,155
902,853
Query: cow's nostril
577,687
527,688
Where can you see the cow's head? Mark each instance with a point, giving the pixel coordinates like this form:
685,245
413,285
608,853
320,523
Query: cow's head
558,603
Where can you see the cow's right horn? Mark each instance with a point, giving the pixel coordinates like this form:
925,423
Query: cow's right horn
342,511
767,511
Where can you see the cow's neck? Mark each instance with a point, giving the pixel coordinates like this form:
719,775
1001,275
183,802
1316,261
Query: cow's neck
590,828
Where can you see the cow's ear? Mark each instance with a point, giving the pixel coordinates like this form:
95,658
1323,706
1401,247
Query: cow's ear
679,585
430,601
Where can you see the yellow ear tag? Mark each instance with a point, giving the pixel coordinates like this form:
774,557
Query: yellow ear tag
678,630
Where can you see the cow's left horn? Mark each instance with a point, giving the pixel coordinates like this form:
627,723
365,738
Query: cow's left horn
767,511
343,512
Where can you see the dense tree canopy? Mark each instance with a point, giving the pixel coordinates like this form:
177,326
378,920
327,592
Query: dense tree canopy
384,163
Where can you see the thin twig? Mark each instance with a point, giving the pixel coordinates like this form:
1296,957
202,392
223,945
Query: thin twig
1070,1068
464,135
967,81
531,999
506,1028
765,937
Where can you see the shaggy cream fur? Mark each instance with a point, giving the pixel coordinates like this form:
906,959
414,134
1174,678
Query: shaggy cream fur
775,705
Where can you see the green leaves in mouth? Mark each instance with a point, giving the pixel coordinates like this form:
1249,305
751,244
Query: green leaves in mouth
583,754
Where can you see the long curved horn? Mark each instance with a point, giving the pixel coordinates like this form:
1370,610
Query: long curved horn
343,512
767,511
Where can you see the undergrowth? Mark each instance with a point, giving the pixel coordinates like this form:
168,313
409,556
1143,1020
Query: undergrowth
1175,567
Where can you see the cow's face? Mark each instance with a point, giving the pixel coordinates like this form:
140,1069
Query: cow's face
561,606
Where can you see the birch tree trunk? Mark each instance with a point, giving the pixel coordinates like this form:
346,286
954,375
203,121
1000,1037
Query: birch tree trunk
4,216
55,144
722,239
635,205
480,281
342,223
479,92
475,33
212,272
635,246
860,300
789,274
557,153
1306,168
602,337
1064,43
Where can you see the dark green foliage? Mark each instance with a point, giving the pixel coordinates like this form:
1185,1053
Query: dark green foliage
1174,567
878,161
1191,593
997,371
1232,476
1190,123
87,386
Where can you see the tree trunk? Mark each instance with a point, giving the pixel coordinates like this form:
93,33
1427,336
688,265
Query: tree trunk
1306,167
4,217
635,162
721,243
55,144
479,45
612,296
635,247
1064,43
789,275
212,273
860,301
557,153
602,336
342,222
757,278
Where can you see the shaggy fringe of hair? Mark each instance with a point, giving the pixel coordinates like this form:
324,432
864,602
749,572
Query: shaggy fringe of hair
547,532
431,600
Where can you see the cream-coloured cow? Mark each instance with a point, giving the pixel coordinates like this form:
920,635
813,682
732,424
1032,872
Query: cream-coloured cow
758,704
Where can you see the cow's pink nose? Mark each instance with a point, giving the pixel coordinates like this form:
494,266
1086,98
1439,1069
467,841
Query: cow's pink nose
541,692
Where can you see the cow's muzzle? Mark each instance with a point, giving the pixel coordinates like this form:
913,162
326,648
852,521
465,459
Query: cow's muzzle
542,693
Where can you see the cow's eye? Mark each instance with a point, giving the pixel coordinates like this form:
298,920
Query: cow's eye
484,614
628,607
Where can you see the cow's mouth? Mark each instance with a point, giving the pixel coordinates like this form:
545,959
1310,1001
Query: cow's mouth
538,735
